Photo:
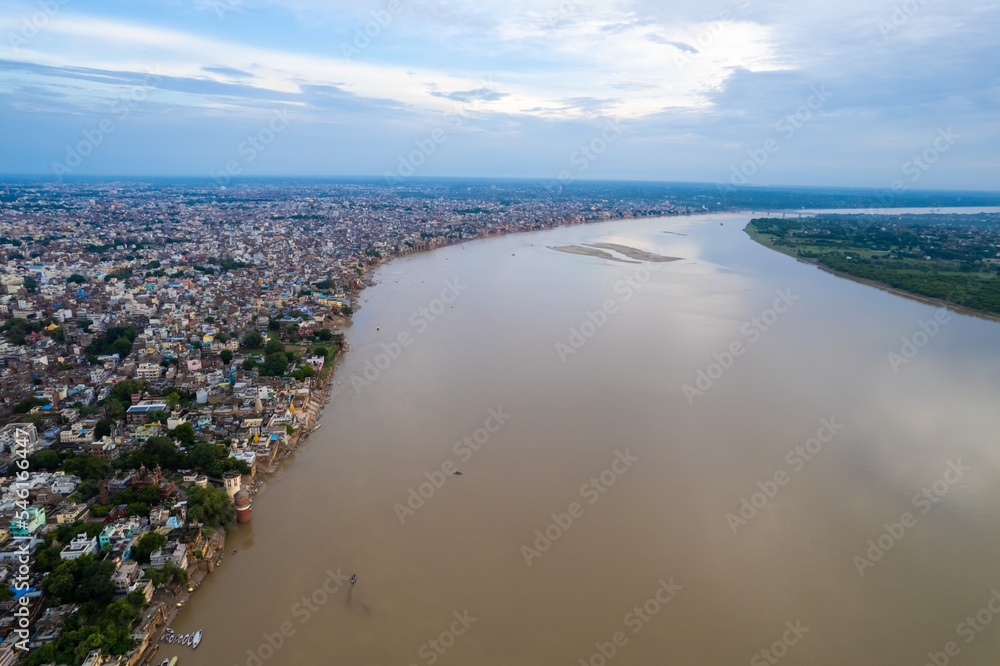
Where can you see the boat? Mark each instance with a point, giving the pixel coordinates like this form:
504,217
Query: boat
354,579
196,639
173,662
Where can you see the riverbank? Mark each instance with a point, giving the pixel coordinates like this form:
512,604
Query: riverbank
766,241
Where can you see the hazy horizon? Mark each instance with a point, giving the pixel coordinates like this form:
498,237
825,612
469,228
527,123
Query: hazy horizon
745,93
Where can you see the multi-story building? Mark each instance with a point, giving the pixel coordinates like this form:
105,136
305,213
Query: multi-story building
24,436
148,372
79,546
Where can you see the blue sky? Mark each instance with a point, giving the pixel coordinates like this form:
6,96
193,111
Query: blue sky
761,92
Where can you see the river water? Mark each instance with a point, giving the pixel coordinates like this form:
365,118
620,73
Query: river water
600,517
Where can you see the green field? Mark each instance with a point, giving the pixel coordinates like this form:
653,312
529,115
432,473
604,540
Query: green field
930,261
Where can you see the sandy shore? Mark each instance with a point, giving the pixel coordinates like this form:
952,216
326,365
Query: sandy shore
634,253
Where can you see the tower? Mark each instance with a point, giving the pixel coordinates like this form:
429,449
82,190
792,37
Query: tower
242,500
232,480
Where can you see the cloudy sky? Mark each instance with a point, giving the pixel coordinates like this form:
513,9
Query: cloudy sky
805,92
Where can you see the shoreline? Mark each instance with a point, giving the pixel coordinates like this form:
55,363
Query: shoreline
896,291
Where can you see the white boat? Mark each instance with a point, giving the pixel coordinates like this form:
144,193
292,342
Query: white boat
197,639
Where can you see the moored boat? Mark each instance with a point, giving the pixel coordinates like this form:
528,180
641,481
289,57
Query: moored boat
196,640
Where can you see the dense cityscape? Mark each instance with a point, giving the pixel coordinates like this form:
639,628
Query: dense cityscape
161,345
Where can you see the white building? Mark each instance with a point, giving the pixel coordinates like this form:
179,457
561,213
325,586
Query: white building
79,546
177,555
24,435
148,372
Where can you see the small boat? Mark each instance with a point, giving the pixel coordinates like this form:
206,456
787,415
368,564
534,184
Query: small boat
196,640
173,662
234,551
354,579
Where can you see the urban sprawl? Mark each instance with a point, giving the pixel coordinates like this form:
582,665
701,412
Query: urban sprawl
162,346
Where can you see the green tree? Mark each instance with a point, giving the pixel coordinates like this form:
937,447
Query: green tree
273,346
138,509
28,404
99,510
46,459
87,466
61,583
226,355
95,581
103,428
252,340
275,364
147,543
114,409
210,505
150,495
184,433
249,364
123,390
122,613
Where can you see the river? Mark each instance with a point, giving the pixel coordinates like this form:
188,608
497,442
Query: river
662,463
